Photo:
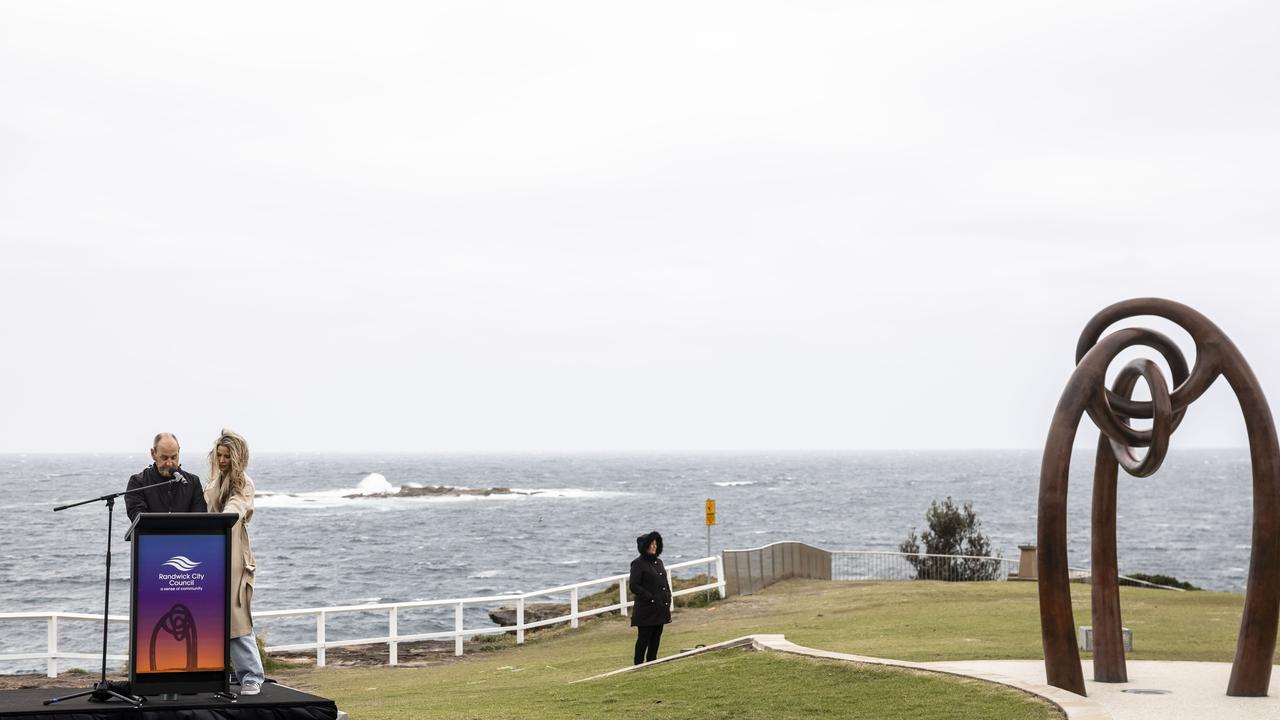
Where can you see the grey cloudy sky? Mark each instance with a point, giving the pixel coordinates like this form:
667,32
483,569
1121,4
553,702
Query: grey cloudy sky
483,226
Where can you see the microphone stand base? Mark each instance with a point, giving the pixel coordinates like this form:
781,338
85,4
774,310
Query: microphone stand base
101,693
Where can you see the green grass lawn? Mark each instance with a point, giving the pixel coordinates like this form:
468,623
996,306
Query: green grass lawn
927,621
921,621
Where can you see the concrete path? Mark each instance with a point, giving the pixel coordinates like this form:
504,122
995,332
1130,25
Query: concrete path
1074,706
1194,689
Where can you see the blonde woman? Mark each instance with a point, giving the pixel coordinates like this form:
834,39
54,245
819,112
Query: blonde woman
231,490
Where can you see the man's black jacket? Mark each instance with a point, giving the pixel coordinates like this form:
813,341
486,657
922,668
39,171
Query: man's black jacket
171,497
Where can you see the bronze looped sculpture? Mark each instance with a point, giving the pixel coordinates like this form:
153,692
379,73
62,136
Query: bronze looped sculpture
1111,410
179,623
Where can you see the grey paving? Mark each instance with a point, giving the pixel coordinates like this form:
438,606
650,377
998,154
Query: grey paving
1193,689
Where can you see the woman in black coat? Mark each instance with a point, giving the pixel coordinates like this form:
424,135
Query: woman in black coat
652,591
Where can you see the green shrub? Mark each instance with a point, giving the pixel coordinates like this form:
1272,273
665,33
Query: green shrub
694,600
953,530
269,664
1167,580
609,596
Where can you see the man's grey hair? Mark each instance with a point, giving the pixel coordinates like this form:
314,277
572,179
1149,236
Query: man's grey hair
160,436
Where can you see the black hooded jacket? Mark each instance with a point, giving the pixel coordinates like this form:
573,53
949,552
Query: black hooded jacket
649,585
170,497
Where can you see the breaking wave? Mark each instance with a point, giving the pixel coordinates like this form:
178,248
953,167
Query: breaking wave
374,491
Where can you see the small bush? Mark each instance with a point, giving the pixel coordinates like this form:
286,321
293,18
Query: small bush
491,640
953,530
269,664
609,596
695,600
1167,580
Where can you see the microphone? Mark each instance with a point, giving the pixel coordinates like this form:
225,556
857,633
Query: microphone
178,477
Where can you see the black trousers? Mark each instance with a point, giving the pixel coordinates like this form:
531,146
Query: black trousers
647,640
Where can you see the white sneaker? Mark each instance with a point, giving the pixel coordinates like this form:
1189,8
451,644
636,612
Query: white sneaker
249,687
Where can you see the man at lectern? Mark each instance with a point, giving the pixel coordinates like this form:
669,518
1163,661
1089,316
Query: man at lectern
181,491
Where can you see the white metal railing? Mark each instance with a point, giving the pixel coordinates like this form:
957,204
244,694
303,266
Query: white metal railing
393,638
52,654
876,565
1085,575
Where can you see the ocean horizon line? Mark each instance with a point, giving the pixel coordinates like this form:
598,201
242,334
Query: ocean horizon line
597,453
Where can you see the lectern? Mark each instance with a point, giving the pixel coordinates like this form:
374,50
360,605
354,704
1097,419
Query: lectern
179,612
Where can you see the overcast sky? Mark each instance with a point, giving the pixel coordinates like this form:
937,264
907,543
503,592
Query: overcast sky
593,226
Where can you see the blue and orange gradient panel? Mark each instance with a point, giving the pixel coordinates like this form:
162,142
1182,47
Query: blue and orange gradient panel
181,603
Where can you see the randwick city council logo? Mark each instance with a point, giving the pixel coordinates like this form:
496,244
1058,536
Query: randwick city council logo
184,564
184,579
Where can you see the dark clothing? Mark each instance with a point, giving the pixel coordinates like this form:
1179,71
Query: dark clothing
647,639
650,586
171,497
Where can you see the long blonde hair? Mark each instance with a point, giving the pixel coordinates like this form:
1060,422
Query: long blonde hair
232,483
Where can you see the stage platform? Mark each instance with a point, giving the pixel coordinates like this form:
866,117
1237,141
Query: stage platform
275,702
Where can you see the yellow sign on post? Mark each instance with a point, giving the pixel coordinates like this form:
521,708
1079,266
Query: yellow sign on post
711,520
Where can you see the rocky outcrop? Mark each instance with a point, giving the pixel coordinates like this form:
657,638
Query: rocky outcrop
533,612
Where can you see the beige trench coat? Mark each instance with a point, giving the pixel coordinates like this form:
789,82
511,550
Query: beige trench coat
243,565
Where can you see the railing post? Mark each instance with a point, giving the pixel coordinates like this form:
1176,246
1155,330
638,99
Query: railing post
53,646
622,597
320,639
573,608
457,628
393,630
720,575
520,621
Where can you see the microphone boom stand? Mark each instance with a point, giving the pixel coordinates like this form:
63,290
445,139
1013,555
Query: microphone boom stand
102,691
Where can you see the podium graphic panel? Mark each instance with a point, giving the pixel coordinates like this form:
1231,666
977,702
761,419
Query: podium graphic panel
179,610
180,617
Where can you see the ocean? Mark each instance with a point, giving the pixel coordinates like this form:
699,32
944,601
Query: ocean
576,517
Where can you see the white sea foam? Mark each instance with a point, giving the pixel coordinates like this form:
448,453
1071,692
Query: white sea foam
734,483
319,499
375,483
371,484
358,601
568,493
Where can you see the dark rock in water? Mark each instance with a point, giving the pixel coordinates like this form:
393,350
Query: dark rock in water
533,612
439,491
445,490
